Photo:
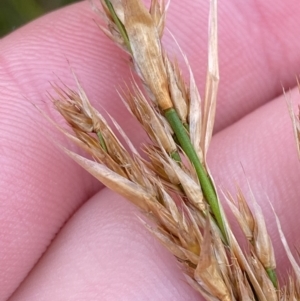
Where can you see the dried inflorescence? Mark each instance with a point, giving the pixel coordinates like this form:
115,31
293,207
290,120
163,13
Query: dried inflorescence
173,187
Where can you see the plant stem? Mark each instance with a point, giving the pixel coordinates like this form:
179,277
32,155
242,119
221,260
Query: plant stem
175,156
101,141
119,24
181,134
273,277
205,182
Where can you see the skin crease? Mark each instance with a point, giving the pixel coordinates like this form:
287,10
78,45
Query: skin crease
102,252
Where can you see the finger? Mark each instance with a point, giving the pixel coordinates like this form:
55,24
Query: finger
104,241
261,149
40,187
104,253
37,54
258,50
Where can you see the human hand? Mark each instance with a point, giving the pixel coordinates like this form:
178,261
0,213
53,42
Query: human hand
103,252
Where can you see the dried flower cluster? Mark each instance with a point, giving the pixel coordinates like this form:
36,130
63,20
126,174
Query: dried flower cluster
173,187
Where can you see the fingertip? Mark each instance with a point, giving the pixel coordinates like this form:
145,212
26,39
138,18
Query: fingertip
104,252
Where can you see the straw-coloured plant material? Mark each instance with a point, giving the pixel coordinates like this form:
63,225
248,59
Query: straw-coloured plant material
173,185
212,80
295,120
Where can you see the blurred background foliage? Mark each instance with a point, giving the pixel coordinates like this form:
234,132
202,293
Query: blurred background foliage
14,13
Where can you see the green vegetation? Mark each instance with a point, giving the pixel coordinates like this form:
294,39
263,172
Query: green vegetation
15,13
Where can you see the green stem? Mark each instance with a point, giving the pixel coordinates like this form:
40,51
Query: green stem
101,141
205,182
175,156
119,24
181,133
273,277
